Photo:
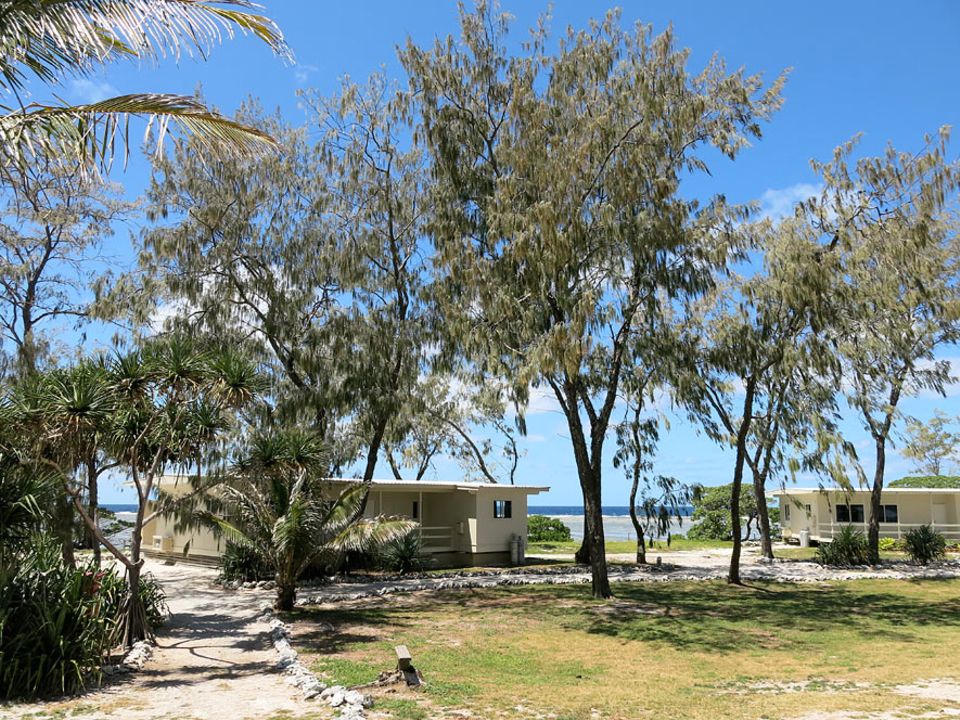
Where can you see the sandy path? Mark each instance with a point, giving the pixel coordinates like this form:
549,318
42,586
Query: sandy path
212,661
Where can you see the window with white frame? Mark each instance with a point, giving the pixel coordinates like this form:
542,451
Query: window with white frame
888,514
786,512
850,513
502,508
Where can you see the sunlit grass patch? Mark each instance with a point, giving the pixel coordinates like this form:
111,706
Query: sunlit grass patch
694,650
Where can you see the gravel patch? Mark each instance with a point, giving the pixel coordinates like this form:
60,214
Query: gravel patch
778,571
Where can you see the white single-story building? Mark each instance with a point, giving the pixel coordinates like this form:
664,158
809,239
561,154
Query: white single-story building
821,513
461,523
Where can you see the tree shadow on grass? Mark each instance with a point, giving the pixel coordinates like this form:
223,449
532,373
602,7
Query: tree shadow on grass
704,616
723,618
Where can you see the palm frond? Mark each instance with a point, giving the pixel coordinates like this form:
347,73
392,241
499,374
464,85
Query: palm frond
346,508
49,39
91,131
371,534
227,529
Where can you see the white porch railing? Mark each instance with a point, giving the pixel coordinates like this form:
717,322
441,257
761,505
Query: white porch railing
827,531
437,538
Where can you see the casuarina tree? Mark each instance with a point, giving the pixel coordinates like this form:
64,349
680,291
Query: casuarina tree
559,211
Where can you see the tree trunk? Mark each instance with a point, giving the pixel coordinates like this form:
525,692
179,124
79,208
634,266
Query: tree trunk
63,519
763,517
733,576
641,547
593,512
582,556
286,594
873,529
135,624
93,508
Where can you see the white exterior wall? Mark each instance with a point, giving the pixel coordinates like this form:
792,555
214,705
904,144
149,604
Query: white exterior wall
454,518
493,534
159,536
913,509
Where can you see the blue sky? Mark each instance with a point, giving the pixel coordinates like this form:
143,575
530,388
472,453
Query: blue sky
884,69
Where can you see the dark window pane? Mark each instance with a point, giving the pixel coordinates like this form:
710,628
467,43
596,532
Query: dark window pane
843,513
416,510
509,508
856,513
888,513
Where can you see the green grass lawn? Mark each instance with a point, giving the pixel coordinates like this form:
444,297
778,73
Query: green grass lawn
680,542
665,650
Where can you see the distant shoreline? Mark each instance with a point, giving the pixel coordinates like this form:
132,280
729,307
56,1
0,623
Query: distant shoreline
577,510
616,519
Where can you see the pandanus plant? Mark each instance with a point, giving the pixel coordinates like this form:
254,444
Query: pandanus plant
277,504
167,406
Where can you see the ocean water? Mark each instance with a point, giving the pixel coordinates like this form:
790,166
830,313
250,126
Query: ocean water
616,520
121,508
608,510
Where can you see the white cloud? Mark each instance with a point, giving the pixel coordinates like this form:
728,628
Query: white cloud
777,203
85,90
542,400
303,71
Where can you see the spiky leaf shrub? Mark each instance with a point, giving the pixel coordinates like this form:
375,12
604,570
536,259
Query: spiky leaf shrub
403,554
925,545
244,563
849,547
57,623
54,628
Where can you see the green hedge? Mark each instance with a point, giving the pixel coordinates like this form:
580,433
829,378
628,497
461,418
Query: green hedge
541,528
935,482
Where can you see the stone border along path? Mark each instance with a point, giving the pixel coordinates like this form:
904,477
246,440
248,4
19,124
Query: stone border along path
777,571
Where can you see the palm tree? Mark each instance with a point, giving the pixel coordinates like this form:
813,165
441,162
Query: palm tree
275,505
165,407
50,39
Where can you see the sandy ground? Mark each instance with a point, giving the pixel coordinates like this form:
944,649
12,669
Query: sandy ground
712,558
212,660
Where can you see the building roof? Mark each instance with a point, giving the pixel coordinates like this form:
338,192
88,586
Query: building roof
886,491
417,485
392,484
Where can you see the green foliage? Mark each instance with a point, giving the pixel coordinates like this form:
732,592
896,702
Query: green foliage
244,563
403,554
945,482
931,444
58,623
558,172
888,544
925,545
58,41
541,528
711,512
275,502
848,547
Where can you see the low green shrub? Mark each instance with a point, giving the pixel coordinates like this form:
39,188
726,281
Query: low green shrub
541,528
849,547
240,562
58,623
403,555
925,545
888,544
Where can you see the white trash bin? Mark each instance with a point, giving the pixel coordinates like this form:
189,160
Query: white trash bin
804,538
